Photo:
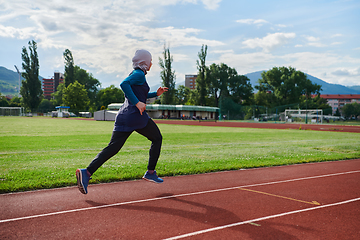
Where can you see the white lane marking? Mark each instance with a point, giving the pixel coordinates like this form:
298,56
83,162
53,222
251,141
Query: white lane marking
172,196
260,219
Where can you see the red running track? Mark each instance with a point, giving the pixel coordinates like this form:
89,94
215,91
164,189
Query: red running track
307,201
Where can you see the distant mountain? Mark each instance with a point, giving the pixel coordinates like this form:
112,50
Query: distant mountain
327,88
254,77
356,88
9,81
9,76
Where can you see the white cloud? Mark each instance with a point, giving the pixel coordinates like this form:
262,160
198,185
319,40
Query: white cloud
336,35
347,72
258,22
261,22
270,42
341,72
248,62
316,44
211,4
102,35
314,41
179,37
223,51
336,43
316,64
323,64
19,33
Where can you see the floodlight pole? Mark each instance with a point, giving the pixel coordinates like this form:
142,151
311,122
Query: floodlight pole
19,78
306,108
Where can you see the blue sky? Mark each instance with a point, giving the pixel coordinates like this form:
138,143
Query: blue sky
320,38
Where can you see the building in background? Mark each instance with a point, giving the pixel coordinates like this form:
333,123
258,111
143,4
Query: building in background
338,101
159,111
49,86
190,81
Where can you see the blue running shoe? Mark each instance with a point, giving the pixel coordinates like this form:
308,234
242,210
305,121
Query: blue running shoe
82,180
152,177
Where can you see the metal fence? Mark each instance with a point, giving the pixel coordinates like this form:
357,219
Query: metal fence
11,111
229,110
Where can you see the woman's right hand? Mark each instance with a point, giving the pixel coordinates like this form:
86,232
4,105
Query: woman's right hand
141,106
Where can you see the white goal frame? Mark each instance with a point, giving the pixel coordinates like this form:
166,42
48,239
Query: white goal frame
11,111
303,113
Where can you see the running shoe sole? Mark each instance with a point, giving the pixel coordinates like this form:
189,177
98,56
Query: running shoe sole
151,180
79,181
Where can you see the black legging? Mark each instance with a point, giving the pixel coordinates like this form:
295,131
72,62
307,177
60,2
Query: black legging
118,139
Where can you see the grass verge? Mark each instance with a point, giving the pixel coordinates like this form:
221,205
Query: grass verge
41,152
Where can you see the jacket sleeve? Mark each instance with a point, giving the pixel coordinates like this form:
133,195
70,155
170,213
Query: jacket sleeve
136,78
152,94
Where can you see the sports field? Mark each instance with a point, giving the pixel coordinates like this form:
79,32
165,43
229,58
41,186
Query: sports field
41,152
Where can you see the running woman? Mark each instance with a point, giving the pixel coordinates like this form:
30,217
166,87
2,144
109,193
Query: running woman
131,117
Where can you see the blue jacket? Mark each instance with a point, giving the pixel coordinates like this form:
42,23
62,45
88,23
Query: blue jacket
136,89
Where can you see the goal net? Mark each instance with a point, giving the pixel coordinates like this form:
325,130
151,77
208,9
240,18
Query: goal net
301,115
11,111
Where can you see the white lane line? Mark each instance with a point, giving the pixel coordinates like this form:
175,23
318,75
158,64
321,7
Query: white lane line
172,196
260,219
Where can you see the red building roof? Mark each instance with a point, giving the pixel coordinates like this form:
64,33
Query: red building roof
342,96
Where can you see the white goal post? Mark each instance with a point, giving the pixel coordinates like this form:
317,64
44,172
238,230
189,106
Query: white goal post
315,115
11,111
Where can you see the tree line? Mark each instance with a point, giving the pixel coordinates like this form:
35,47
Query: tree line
217,85
80,91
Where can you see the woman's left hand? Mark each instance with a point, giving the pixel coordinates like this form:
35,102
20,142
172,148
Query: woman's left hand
161,90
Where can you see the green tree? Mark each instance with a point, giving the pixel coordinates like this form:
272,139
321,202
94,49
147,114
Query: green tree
75,96
224,81
15,102
286,86
182,95
215,84
31,87
193,97
90,83
168,77
230,109
75,73
240,89
314,103
57,97
69,68
262,98
337,113
201,85
351,110
3,101
110,95
356,110
46,106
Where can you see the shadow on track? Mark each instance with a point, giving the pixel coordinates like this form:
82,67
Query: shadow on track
214,217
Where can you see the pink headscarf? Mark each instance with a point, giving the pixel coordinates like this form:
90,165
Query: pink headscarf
142,60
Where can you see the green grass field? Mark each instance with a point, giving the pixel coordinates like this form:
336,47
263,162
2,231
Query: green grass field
42,152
